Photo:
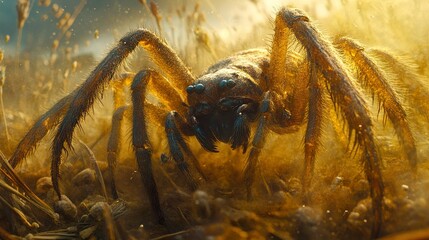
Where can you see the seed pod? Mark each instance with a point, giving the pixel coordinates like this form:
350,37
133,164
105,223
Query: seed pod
44,17
68,34
55,8
96,34
53,58
154,9
156,14
66,74
68,53
58,11
23,9
74,66
144,4
62,23
45,3
2,75
55,44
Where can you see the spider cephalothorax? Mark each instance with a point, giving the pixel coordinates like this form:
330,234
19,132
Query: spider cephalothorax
236,101
225,100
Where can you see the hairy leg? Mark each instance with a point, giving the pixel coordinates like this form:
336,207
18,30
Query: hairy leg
155,113
156,85
141,142
314,126
50,120
86,94
46,122
287,80
345,97
257,144
178,146
407,74
113,145
118,88
375,81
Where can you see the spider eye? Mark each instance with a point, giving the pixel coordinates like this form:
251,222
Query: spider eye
230,83
190,89
199,88
227,83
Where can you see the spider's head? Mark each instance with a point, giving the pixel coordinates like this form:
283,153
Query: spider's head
221,106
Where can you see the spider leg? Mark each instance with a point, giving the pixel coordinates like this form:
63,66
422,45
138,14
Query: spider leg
141,143
298,99
374,80
314,127
140,138
296,86
346,97
115,139
288,82
177,144
257,144
118,88
48,121
113,145
154,112
160,53
406,73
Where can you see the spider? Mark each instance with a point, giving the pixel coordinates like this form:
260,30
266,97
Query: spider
276,90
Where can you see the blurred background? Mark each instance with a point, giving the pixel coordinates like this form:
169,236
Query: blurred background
95,24
110,18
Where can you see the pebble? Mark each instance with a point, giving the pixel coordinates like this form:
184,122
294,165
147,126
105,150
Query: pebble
85,177
43,185
65,207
